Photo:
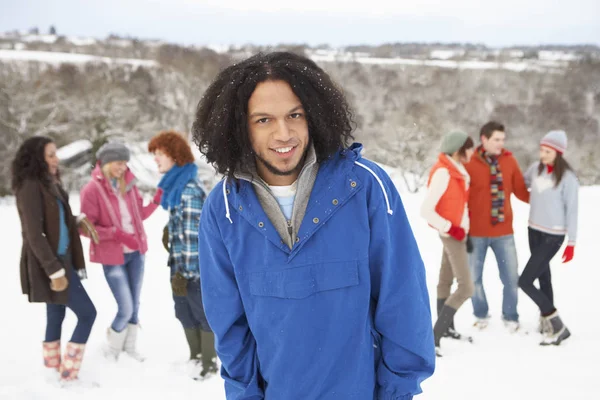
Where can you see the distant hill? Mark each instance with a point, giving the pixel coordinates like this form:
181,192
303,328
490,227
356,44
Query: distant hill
404,95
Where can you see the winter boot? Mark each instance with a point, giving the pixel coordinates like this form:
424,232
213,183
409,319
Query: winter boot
442,323
482,323
451,332
440,304
194,340
52,354
543,325
209,355
130,343
116,341
512,326
71,362
557,331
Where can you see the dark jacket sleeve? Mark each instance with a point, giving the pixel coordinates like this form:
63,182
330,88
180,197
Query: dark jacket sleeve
29,200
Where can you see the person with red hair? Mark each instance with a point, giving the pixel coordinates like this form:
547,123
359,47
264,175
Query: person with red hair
183,196
553,215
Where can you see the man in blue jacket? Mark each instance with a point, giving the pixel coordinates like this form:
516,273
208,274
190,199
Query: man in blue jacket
311,277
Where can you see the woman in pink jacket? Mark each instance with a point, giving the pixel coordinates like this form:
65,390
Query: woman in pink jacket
112,202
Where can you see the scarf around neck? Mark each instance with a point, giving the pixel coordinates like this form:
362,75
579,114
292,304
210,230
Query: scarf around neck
496,186
173,183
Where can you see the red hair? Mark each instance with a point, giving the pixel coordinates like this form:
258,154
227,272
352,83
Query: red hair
174,145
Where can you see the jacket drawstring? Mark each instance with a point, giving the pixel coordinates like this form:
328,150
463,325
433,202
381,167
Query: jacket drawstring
387,201
227,214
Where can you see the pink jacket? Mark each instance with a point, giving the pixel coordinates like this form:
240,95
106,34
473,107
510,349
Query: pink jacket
101,206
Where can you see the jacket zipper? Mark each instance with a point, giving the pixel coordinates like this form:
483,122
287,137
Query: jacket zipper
290,231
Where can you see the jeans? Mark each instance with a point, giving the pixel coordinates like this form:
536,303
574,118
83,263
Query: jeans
543,247
506,257
189,309
79,302
125,282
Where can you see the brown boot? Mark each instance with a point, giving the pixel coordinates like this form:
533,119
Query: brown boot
52,354
71,363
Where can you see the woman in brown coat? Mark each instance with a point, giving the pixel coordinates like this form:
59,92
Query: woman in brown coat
52,262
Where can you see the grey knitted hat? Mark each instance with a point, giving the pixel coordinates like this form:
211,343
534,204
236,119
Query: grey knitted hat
453,141
556,140
112,151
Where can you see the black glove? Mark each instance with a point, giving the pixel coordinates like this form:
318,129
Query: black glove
165,237
469,245
179,285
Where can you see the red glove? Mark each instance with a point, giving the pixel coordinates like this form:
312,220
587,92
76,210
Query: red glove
157,196
569,253
457,233
128,239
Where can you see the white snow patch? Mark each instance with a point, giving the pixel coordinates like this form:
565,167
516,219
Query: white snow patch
219,48
542,65
446,54
557,56
59,58
39,38
81,41
73,149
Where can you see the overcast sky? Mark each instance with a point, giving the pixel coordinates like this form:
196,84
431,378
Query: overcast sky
499,23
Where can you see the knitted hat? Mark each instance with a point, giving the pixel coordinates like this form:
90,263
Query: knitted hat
453,141
112,151
556,140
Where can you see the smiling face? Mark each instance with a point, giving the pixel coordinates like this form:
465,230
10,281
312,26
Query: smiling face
116,169
547,155
495,143
278,132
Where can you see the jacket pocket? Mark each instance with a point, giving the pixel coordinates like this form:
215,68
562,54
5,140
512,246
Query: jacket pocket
302,282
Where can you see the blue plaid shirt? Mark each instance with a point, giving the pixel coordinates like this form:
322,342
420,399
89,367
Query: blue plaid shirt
184,220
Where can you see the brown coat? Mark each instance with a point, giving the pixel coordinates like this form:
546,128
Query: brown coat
38,209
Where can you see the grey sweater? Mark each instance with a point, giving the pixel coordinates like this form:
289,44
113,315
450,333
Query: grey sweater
553,209
288,230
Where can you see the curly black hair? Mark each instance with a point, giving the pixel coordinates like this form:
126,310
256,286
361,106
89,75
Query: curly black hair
220,129
30,163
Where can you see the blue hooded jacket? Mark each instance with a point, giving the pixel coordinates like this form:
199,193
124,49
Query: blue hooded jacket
344,314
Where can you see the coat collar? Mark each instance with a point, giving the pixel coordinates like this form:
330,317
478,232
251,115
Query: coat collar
329,194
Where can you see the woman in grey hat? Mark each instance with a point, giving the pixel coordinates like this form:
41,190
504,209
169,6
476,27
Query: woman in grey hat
114,204
552,216
446,209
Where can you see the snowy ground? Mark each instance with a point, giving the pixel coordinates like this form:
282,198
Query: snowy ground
498,365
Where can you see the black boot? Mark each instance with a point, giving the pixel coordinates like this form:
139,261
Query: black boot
440,304
451,331
193,338
442,323
557,331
